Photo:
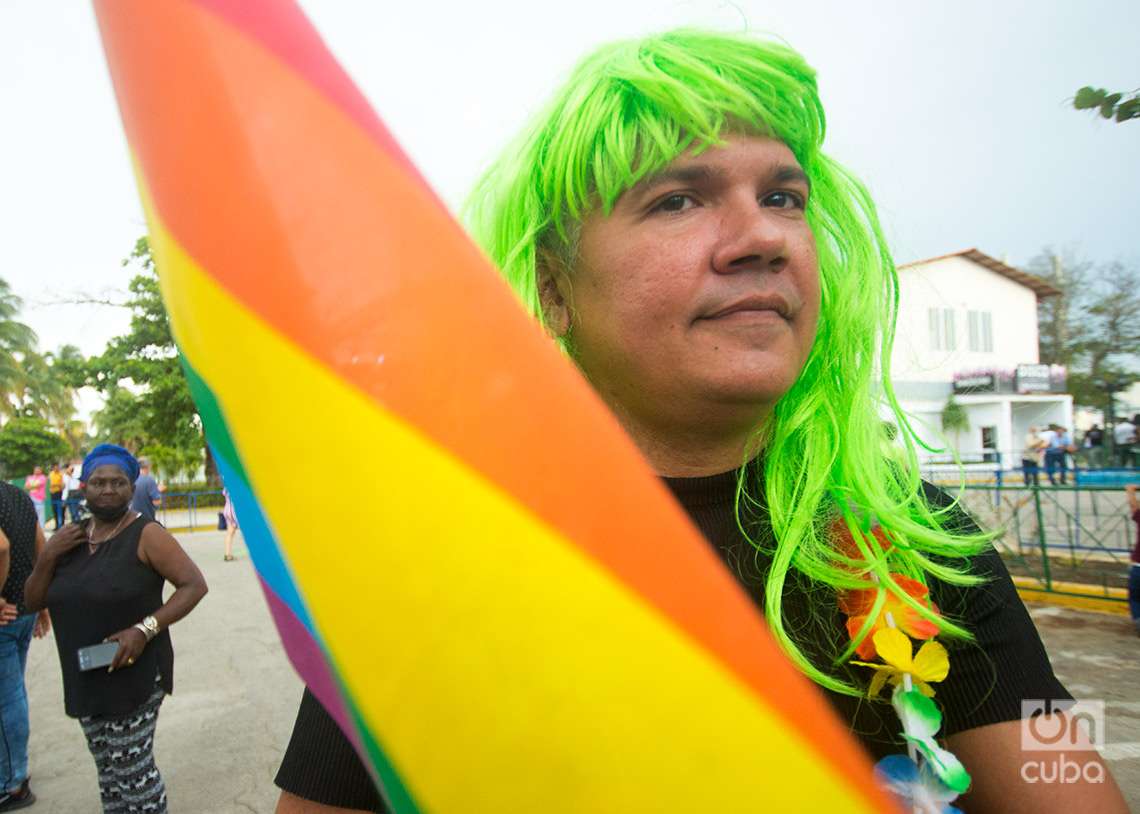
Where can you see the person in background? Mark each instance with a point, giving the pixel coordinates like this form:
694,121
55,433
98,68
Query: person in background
1069,446
1123,436
103,581
231,525
1094,447
1056,454
148,494
23,537
72,490
1134,566
1031,457
36,486
55,488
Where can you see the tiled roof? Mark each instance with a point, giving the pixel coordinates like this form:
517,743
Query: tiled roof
1030,281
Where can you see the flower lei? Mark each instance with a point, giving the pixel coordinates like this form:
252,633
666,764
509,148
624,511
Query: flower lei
928,778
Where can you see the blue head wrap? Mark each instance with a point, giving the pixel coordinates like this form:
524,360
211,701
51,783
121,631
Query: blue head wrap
110,454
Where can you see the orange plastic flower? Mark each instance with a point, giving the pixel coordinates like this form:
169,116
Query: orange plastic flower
846,546
857,605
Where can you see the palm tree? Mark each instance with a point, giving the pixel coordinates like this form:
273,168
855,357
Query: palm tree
49,390
120,421
16,340
76,435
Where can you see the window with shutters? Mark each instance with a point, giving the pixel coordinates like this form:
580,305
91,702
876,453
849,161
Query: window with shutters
942,331
980,330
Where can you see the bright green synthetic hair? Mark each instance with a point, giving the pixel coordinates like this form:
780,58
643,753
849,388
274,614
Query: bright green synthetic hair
628,110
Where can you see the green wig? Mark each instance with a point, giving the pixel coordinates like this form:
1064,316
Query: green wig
628,110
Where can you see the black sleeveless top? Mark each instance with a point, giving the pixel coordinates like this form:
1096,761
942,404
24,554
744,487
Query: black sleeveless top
92,596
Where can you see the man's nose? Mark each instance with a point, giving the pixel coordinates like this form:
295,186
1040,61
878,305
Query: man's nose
752,239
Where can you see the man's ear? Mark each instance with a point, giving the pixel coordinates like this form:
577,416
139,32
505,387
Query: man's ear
553,293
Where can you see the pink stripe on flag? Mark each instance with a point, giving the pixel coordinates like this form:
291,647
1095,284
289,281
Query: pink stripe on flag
309,661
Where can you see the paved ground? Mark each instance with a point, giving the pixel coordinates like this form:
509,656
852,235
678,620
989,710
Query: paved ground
1097,656
221,735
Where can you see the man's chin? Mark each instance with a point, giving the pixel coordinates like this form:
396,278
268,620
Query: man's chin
758,384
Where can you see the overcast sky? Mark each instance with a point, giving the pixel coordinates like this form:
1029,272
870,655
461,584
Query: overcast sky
956,114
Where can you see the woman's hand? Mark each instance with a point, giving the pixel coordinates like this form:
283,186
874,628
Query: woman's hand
42,626
66,539
8,612
131,643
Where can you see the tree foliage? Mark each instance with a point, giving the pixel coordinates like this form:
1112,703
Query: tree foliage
1093,327
16,340
33,384
27,442
148,407
954,417
44,390
1119,106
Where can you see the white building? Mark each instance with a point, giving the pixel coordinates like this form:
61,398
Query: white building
967,328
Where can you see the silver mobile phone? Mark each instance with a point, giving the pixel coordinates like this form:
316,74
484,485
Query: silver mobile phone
99,655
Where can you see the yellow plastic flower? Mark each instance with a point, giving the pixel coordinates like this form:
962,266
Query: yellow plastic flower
894,647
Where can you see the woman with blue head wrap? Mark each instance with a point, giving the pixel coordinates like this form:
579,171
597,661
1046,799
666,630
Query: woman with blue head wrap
107,508
103,580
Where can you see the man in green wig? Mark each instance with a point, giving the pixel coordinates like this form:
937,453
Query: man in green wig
725,287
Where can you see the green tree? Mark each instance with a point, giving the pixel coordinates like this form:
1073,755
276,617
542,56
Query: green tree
1092,328
173,463
69,365
16,339
44,392
954,417
1119,106
29,442
148,403
75,433
122,420
1111,338
1060,327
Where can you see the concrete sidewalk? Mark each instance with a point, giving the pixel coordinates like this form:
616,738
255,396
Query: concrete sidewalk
1097,657
221,735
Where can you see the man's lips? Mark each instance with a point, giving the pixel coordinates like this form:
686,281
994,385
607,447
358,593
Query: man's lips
756,302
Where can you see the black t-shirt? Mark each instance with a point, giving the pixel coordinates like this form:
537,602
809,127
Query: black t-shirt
321,765
18,520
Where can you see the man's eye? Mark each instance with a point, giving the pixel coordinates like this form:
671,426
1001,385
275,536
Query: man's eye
783,200
675,203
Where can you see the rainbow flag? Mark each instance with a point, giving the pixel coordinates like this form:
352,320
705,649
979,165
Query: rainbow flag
516,616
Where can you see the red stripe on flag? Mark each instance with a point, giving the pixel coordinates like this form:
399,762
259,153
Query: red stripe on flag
282,27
